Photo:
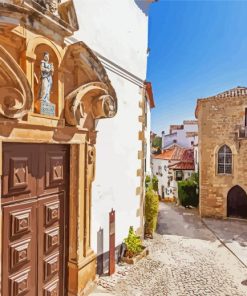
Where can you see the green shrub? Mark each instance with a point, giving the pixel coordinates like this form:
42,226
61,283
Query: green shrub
133,243
151,211
147,182
155,183
188,193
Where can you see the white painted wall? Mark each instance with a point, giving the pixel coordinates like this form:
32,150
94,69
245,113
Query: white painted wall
180,136
117,30
163,174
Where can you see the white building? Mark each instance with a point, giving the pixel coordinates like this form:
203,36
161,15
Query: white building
185,135
118,33
173,164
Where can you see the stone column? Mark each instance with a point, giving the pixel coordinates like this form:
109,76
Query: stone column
82,260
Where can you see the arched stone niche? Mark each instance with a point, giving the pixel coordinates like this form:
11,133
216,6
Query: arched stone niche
40,50
36,48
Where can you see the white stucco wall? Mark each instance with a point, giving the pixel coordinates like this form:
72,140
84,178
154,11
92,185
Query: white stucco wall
117,30
181,137
170,191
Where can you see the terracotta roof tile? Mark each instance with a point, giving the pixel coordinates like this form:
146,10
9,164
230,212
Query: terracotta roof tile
174,153
186,161
183,166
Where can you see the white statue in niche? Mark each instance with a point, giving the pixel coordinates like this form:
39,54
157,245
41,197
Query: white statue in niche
46,73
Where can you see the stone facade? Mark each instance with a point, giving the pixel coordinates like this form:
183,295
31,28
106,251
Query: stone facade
221,121
81,93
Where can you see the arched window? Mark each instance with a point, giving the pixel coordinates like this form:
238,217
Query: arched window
225,160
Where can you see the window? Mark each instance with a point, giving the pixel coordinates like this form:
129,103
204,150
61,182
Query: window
225,160
179,175
160,170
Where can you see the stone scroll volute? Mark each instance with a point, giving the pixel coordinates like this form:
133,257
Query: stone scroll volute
16,94
92,100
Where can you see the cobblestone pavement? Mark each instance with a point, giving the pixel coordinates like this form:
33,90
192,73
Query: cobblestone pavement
180,265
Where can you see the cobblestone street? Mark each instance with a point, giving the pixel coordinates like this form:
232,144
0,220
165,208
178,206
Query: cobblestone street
185,259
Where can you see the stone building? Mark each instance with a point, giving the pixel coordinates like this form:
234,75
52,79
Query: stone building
54,92
222,121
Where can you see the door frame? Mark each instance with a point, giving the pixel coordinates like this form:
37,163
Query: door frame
81,259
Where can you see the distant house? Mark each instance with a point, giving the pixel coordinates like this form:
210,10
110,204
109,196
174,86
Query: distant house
222,121
174,164
185,135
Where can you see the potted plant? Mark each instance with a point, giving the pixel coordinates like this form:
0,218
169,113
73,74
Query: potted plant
134,250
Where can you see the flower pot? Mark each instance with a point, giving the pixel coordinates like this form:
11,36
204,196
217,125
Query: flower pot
137,257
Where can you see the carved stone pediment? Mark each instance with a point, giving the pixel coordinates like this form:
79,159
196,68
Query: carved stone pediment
43,16
16,95
93,93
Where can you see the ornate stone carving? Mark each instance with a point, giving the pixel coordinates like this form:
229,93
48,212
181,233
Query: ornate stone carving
16,95
104,107
102,104
50,5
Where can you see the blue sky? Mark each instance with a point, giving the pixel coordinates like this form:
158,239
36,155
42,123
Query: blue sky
197,49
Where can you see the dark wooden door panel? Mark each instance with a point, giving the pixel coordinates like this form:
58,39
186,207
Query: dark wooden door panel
19,172
19,249
53,169
51,217
35,180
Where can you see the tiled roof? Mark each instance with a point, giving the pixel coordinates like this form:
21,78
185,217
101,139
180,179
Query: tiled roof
234,92
188,155
190,122
186,161
183,166
150,94
173,153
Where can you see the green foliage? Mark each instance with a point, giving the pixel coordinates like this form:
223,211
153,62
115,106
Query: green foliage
151,211
147,182
195,178
151,183
133,243
157,142
155,182
188,193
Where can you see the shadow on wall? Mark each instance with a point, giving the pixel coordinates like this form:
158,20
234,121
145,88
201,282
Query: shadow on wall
100,251
143,5
103,258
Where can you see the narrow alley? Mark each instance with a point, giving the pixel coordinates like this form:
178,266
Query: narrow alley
186,258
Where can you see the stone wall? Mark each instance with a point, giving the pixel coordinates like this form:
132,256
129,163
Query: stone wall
219,120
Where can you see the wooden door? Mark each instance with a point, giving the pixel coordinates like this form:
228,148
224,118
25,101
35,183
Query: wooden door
34,206
237,203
